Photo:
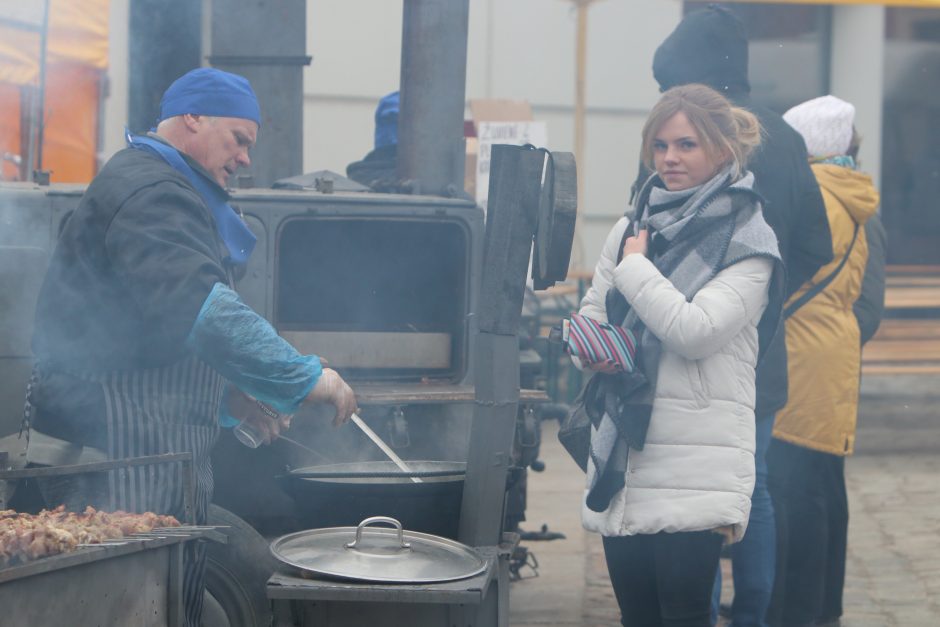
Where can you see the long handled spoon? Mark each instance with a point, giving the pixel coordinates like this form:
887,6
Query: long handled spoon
372,435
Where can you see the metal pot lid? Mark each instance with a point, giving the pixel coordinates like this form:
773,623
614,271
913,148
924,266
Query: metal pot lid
378,554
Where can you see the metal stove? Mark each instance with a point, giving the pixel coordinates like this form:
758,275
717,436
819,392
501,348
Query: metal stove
531,196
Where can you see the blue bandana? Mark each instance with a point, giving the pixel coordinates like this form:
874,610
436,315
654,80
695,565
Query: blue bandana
208,91
238,238
386,121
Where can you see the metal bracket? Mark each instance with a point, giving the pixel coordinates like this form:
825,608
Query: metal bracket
528,434
186,459
557,213
398,429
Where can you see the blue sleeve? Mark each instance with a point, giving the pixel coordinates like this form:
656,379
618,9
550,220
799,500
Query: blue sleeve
245,349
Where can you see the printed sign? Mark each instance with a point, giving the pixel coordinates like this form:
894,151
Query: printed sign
514,133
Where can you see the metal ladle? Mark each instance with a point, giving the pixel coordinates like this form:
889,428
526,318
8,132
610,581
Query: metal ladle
372,435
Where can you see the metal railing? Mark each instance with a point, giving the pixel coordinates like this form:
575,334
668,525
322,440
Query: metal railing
186,459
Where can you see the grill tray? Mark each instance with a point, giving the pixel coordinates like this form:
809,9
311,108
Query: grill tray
133,581
88,553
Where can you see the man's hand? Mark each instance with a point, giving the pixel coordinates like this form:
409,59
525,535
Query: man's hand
263,421
331,388
638,244
268,428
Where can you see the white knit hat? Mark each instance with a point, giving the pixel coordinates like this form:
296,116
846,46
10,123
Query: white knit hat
825,124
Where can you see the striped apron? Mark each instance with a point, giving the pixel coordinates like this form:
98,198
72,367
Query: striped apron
172,409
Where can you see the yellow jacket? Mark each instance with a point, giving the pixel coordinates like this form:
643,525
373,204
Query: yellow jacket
823,346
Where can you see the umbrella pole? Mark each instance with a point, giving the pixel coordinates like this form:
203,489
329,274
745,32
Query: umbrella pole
41,117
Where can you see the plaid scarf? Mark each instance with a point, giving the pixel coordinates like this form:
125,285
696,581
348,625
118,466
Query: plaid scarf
694,235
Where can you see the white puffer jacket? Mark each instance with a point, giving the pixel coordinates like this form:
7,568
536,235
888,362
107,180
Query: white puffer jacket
696,471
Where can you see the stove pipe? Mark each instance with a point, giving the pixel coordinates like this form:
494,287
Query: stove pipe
433,82
266,41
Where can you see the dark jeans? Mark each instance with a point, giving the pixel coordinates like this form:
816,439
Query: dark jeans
752,559
809,494
664,579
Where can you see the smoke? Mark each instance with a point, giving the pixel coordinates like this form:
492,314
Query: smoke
27,235
407,271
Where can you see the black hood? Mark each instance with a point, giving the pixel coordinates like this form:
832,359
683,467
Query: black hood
708,46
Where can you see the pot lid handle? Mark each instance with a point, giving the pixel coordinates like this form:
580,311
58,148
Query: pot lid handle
379,519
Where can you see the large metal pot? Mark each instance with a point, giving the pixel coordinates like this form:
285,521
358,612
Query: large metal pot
342,495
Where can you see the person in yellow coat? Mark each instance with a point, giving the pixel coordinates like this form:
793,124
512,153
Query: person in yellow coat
816,430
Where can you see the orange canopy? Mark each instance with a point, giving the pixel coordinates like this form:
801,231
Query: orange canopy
76,57
78,32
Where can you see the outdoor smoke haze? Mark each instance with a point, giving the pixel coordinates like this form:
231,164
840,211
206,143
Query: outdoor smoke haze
28,226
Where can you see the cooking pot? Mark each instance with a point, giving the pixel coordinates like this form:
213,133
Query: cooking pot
342,495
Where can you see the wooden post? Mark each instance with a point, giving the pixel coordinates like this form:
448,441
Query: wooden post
580,78
41,124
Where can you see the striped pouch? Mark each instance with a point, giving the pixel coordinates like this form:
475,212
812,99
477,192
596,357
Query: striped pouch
592,342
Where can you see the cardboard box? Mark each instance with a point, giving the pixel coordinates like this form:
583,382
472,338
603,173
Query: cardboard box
488,110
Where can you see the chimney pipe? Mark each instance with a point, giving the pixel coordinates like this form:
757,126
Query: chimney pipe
266,41
165,42
433,82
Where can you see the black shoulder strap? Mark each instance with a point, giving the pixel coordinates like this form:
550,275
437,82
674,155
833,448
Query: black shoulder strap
819,287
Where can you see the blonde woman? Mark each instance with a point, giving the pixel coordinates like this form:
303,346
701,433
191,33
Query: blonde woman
672,451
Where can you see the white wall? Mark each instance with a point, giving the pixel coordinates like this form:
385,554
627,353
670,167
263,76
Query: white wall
517,49
623,35
115,106
858,42
356,49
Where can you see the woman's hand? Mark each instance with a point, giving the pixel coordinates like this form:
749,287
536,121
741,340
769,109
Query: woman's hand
638,244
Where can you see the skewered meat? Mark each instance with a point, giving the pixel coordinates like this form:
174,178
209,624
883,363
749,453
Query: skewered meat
25,537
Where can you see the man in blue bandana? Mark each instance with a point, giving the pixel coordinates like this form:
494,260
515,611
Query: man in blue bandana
378,169
139,334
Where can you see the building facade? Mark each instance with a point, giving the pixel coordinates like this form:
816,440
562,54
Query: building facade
883,57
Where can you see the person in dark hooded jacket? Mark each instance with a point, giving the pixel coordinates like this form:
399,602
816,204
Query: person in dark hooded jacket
710,47
379,168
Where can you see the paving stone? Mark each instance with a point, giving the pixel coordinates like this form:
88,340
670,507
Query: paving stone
867,621
893,565
915,618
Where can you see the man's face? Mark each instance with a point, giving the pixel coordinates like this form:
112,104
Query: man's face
221,145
